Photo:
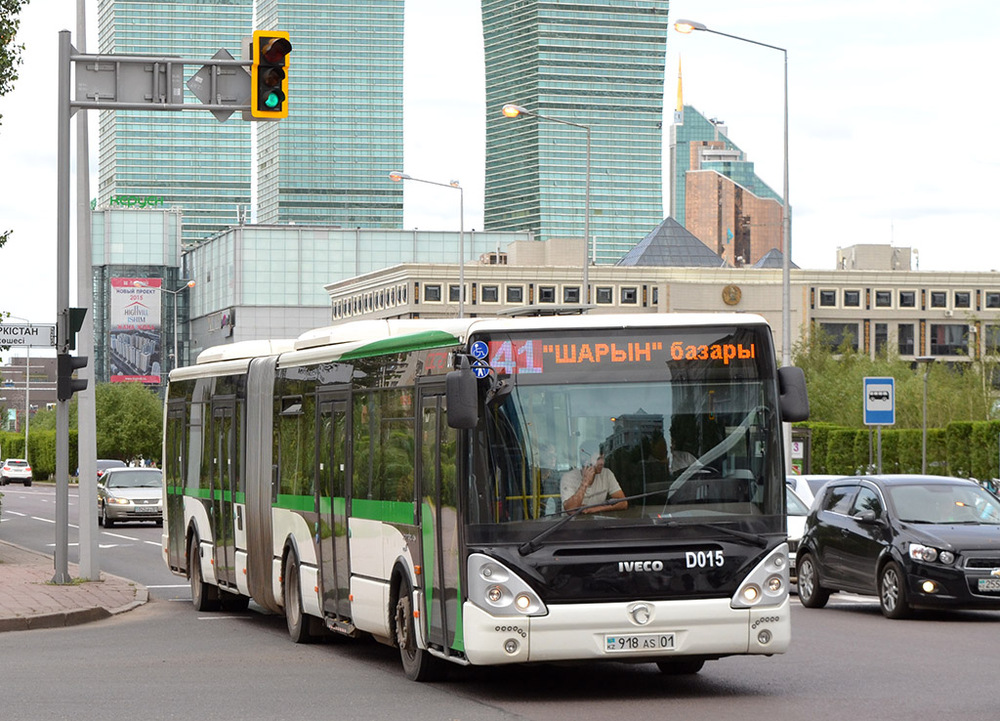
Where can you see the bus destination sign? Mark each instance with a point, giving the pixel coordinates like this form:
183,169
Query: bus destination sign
510,357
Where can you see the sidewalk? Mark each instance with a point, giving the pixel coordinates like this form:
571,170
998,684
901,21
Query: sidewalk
29,599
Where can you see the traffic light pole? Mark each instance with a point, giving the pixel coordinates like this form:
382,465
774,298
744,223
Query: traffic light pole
62,304
115,82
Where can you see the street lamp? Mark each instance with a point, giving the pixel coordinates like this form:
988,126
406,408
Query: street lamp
174,293
926,361
397,176
688,26
512,111
27,388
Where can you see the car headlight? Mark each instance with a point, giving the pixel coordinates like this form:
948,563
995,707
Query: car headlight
929,554
118,501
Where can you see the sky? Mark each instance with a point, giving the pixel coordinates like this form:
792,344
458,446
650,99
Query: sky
890,124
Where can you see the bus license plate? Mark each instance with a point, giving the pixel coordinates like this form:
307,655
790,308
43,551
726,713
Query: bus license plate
638,642
989,585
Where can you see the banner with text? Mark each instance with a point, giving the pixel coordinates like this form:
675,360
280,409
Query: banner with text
136,338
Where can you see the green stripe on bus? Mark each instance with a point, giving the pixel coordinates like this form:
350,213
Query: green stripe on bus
207,494
402,344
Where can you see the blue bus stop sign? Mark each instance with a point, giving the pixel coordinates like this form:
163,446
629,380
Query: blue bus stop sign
880,401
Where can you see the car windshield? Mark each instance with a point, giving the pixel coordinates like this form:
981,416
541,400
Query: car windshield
945,504
796,507
134,479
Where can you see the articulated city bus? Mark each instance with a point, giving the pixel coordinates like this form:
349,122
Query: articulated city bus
423,482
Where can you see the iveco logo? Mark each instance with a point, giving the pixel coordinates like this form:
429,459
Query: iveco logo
639,566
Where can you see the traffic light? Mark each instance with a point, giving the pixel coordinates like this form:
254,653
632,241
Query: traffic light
76,316
268,76
66,384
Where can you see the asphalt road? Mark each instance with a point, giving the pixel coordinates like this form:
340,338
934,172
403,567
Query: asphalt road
165,661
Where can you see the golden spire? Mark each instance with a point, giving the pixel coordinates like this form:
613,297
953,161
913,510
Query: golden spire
679,110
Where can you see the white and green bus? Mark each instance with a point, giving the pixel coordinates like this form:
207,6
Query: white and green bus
406,479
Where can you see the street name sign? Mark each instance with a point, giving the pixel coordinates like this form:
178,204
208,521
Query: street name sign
33,335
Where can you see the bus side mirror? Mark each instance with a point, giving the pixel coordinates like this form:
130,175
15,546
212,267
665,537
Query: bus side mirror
793,400
462,394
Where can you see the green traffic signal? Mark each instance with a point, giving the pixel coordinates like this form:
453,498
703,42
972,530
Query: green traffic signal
268,80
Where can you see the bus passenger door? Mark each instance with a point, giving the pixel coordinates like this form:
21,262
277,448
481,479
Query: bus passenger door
332,504
224,491
174,466
439,521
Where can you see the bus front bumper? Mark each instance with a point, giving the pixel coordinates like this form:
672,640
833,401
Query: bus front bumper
630,631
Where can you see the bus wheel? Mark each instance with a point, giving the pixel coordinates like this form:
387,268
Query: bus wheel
681,667
299,625
235,602
204,596
418,664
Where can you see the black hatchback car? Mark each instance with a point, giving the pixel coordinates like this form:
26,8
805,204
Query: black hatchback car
913,541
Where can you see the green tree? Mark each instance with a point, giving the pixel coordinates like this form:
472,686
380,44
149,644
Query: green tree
835,379
129,421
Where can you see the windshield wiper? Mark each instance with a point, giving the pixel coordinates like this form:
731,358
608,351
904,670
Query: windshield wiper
533,544
753,538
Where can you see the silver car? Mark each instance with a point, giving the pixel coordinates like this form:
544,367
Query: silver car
130,494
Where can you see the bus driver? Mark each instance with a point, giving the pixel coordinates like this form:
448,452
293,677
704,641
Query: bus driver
591,484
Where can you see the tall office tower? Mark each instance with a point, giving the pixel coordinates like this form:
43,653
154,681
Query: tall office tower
328,162
185,160
716,193
595,63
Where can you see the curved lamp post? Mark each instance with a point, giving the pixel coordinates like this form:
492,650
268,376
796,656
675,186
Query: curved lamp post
925,361
513,111
174,293
397,176
689,26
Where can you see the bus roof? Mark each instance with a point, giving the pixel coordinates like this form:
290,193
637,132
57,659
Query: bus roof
371,337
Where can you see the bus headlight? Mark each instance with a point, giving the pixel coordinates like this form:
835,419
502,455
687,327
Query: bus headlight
499,591
767,584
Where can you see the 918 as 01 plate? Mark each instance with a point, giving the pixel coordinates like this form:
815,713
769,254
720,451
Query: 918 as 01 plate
638,642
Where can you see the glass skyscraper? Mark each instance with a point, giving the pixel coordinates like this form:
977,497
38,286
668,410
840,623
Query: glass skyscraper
328,162
186,160
596,63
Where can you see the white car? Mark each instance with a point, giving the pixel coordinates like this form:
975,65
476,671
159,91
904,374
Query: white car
807,486
796,522
15,469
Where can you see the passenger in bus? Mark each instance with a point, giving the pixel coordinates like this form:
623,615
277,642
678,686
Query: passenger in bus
591,484
679,458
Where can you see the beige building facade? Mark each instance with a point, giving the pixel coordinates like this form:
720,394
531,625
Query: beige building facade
951,316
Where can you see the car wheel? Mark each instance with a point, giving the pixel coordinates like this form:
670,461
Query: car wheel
811,594
27,483
204,596
299,624
892,591
418,664
108,523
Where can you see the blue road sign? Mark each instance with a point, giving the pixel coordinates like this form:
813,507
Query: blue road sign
880,401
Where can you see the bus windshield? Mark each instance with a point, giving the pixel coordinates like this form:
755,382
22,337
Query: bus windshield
687,439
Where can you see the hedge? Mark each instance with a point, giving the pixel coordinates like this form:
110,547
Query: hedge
964,449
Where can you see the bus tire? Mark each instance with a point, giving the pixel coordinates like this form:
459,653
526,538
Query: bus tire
204,596
681,667
418,664
235,602
300,626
